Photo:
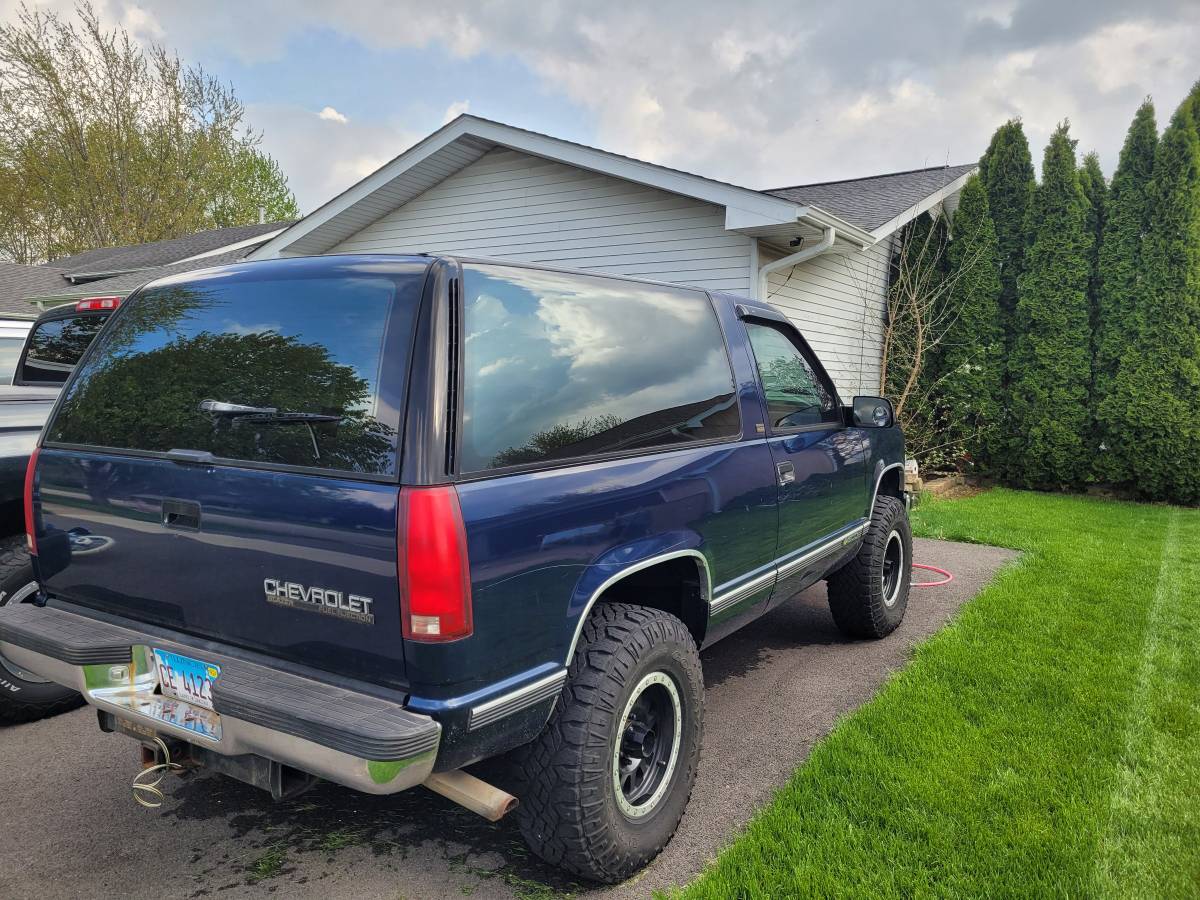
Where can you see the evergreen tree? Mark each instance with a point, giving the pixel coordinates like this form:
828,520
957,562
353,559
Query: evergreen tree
972,359
1091,179
1007,172
1152,406
1050,364
1120,269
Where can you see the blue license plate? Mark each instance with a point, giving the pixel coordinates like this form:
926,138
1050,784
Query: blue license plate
184,678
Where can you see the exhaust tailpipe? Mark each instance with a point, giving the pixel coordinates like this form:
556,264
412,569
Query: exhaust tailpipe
468,791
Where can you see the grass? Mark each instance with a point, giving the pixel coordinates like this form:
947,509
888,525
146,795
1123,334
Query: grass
1046,743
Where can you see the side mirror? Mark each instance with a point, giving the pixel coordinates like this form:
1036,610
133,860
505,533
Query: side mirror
873,412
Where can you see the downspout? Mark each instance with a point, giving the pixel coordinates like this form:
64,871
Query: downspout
829,234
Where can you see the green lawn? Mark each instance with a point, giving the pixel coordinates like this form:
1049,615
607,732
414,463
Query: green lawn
1046,743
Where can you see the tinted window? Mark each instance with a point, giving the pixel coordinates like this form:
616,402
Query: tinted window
10,352
560,366
55,347
796,394
304,352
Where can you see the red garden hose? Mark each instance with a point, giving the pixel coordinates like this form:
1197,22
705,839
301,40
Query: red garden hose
949,578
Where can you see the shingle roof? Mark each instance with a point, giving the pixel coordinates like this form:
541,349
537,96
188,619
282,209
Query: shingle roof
159,253
120,285
18,281
872,201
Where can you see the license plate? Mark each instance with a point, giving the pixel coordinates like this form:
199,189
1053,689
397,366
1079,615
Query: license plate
179,713
184,678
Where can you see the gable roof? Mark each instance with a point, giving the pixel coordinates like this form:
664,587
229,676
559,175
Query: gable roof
877,199
91,264
18,281
467,138
862,210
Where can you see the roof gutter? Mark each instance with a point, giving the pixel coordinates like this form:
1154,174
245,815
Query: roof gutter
828,236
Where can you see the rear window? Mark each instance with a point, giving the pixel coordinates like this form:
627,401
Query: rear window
55,347
273,371
559,366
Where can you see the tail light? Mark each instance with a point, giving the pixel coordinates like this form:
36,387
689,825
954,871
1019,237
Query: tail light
30,528
90,304
435,576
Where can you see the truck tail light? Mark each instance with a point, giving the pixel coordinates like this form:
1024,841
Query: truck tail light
30,527
435,576
90,304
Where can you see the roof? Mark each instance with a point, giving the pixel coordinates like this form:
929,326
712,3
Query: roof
18,281
468,138
126,283
862,210
877,199
110,260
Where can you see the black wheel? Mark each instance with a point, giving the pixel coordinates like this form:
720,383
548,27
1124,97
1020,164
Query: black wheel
25,696
603,788
868,595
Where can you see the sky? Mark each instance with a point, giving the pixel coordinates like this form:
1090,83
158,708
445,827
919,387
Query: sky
761,93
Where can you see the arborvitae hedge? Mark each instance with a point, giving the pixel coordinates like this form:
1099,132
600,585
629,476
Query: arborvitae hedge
1007,172
1152,409
1050,363
1120,270
971,360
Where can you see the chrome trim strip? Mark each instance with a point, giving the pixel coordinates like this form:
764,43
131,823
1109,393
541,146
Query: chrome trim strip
742,591
731,595
878,481
515,701
705,587
833,544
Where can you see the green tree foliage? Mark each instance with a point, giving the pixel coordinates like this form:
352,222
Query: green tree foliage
970,363
1120,270
1091,180
1050,363
1007,172
1152,407
104,142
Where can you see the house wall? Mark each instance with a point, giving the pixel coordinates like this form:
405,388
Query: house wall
511,205
838,301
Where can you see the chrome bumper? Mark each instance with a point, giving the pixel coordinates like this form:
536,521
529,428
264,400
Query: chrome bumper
355,739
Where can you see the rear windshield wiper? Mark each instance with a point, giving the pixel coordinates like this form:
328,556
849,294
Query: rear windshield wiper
268,414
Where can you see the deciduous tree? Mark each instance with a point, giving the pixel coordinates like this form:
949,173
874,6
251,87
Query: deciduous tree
104,142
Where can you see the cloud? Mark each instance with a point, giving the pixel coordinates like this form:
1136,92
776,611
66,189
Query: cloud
322,161
329,114
781,93
456,109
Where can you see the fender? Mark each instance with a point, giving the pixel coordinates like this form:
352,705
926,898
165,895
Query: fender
621,562
879,481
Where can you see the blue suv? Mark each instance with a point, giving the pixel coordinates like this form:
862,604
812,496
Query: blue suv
373,519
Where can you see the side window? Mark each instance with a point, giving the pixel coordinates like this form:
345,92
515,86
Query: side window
796,395
562,366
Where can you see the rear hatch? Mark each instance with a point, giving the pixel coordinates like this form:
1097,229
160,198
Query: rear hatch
223,463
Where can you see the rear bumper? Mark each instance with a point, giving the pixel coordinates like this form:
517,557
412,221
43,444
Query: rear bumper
365,742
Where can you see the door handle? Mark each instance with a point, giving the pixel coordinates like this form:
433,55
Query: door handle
787,473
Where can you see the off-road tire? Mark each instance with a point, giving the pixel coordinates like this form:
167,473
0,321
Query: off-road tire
22,700
857,595
569,811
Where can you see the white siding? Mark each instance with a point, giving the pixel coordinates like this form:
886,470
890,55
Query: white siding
839,302
511,205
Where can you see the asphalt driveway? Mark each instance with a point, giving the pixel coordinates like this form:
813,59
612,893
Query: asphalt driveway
69,827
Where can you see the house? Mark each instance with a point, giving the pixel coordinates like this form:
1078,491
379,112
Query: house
820,252
116,271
